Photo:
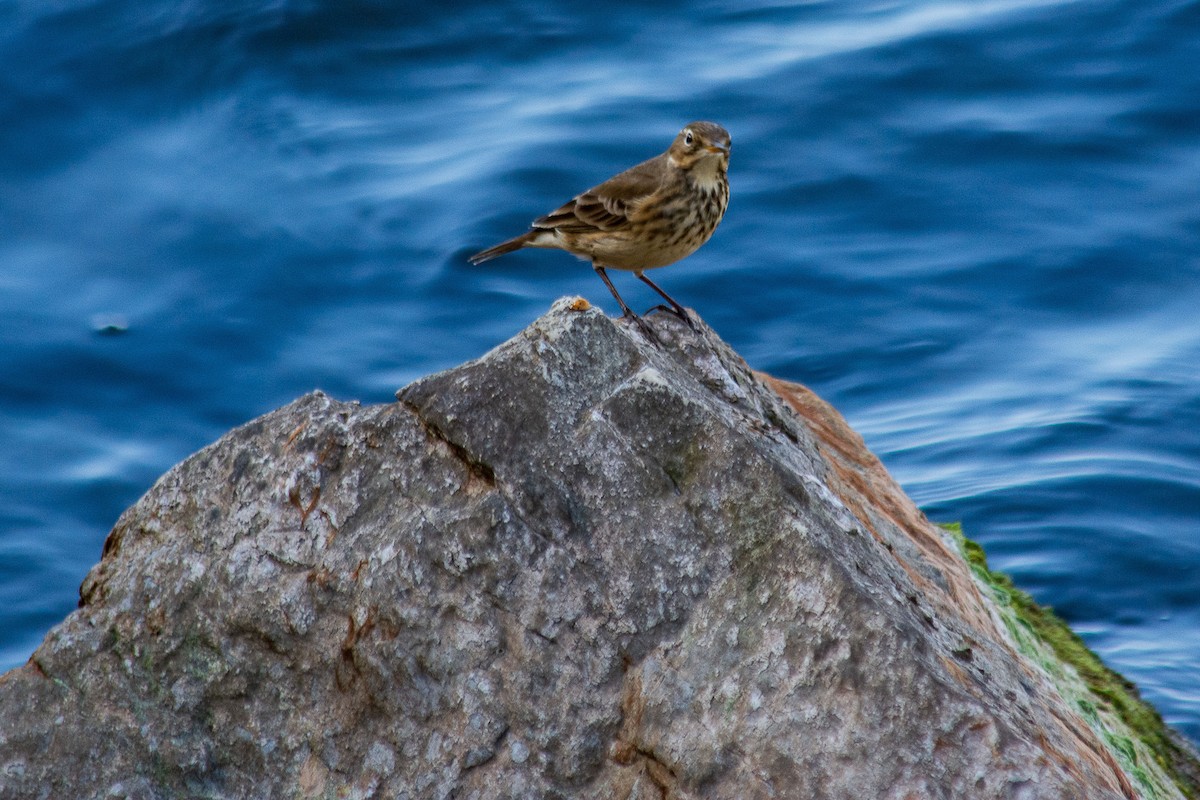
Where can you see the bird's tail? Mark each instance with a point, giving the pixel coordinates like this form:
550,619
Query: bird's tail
502,248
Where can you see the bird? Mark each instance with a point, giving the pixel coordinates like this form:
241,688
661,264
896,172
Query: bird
649,216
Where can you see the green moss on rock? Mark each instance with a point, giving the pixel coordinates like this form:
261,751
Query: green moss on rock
1141,734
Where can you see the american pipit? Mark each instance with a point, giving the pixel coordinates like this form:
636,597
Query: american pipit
648,216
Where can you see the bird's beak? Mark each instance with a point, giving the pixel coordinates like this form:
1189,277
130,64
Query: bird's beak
716,148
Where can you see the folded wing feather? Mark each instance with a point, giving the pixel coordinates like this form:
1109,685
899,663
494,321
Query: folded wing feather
606,207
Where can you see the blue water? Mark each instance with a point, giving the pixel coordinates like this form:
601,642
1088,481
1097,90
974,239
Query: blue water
973,225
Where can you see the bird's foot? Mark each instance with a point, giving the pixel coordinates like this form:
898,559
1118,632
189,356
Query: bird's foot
679,311
641,323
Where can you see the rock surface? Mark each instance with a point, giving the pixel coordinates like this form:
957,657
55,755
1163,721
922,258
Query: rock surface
585,565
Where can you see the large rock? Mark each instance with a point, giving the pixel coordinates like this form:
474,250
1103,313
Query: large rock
585,565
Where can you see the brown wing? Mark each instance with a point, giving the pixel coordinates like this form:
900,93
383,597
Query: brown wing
607,207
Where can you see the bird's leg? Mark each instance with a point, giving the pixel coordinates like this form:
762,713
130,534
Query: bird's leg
675,308
604,277
626,310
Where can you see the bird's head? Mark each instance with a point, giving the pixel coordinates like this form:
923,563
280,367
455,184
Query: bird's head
704,144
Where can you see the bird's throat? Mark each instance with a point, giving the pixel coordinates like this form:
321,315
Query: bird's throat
707,174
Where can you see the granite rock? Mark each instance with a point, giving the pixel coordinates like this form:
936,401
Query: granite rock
588,564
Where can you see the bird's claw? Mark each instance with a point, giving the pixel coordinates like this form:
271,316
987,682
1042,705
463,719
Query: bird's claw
682,313
641,323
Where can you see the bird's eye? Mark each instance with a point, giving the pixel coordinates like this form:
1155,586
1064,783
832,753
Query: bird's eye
687,137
